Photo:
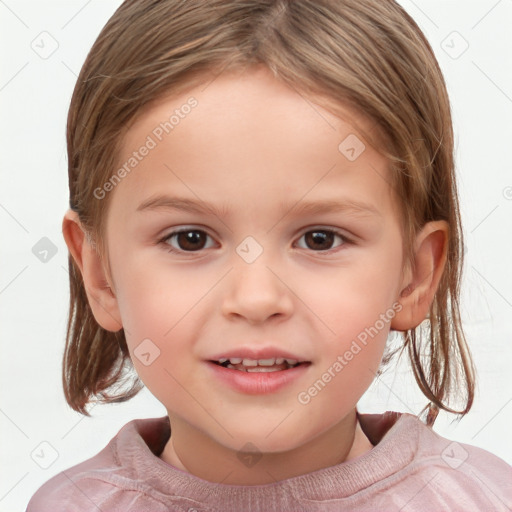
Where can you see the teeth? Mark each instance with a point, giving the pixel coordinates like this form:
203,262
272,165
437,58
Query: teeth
262,369
267,362
257,362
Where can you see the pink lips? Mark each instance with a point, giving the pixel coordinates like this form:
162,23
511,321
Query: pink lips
257,383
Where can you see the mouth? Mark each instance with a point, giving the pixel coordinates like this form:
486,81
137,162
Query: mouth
260,365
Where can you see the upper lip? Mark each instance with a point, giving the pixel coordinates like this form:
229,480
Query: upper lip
268,352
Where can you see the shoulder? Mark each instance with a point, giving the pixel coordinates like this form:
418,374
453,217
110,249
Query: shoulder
465,475
107,481
423,468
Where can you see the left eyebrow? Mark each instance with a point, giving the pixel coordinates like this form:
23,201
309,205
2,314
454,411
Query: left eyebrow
350,207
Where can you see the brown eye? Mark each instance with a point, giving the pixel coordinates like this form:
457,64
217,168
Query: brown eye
321,240
188,240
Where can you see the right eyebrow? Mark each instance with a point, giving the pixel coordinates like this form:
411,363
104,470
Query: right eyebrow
163,202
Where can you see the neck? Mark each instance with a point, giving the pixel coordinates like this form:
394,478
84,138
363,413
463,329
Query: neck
191,450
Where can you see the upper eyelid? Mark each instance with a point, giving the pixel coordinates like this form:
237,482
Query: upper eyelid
186,228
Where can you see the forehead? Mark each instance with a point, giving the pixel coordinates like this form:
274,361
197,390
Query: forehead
245,135
229,97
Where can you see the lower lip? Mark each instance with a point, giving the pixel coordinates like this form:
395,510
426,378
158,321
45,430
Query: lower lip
257,383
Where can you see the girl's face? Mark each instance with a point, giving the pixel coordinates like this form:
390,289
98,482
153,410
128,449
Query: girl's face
290,247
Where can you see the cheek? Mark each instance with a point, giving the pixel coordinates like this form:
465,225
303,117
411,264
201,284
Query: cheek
159,349
153,298
354,298
161,322
355,306
356,318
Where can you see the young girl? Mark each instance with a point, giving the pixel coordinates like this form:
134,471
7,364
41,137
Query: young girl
260,192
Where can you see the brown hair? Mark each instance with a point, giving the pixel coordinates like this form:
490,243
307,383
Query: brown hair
368,54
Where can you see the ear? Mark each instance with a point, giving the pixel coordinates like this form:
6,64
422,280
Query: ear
99,292
431,247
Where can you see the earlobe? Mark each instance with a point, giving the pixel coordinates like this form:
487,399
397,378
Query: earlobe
100,295
431,248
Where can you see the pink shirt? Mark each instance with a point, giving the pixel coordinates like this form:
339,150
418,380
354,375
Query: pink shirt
410,469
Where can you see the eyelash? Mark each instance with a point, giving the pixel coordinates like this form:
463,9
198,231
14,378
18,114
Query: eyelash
165,241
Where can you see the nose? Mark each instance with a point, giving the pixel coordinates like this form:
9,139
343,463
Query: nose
256,294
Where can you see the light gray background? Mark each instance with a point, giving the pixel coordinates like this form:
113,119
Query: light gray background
35,89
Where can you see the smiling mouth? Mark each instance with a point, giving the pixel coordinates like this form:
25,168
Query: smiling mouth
261,365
